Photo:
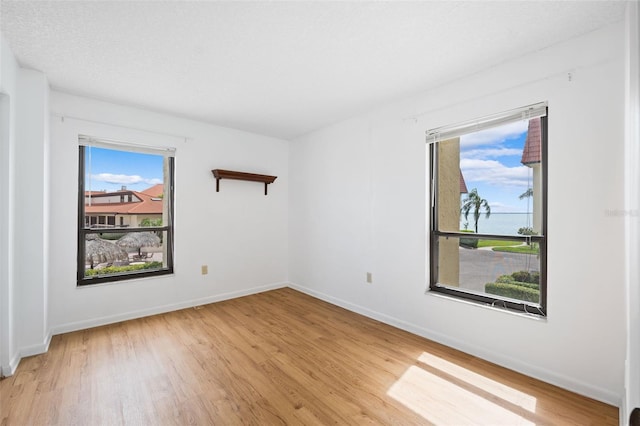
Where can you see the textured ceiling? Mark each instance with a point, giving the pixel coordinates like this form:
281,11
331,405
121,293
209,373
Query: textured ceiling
280,68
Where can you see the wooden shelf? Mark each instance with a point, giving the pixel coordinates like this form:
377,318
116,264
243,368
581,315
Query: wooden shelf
229,174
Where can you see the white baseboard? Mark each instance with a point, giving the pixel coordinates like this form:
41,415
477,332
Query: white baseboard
9,370
530,370
97,322
36,349
25,352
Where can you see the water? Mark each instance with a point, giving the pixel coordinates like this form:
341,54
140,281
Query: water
499,223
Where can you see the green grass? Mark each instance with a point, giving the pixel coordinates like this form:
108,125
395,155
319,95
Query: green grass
497,243
118,269
532,249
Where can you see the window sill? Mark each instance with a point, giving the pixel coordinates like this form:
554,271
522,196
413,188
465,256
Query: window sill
482,305
125,279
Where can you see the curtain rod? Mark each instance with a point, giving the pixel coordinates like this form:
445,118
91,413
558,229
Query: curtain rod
138,129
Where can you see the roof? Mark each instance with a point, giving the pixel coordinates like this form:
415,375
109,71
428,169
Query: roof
155,190
463,184
531,154
147,204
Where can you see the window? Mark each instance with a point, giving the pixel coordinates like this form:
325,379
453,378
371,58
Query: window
488,234
134,184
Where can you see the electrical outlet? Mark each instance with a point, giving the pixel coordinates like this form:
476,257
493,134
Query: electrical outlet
369,277
205,269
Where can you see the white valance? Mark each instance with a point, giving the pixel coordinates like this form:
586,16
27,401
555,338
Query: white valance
125,146
472,126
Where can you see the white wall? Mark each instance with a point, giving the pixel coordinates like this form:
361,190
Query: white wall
24,213
632,210
357,204
239,233
8,71
31,212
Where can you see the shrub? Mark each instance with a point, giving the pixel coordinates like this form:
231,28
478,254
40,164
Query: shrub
527,230
518,283
526,277
468,242
111,236
521,285
510,279
513,291
521,277
117,269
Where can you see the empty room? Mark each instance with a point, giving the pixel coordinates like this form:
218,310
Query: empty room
319,212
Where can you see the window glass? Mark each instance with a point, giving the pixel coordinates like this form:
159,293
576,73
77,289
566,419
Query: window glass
499,168
136,188
488,239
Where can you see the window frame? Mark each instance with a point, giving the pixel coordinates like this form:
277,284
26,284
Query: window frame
84,230
486,298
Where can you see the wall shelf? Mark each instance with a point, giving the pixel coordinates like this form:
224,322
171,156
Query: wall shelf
229,174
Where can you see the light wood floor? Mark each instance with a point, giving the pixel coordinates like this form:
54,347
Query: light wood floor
279,357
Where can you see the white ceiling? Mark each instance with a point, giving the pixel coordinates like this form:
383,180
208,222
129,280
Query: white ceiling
280,68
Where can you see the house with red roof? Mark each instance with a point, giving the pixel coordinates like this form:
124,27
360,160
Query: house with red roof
463,184
123,208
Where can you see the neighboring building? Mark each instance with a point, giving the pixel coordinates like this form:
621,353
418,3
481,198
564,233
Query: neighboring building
156,191
463,184
124,208
532,157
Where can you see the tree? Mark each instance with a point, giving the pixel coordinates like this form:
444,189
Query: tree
151,222
475,202
527,230
526,194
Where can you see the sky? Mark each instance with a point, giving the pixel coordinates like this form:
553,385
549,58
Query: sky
109,170
490,162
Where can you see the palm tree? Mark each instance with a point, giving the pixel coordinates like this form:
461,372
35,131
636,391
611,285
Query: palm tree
526,194
475,202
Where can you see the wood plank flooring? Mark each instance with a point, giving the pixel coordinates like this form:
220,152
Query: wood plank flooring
279,357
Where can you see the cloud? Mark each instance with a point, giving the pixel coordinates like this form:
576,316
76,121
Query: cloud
494,135
124,179
482,154
495,173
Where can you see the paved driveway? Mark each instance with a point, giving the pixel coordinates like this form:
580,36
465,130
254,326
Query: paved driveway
478,267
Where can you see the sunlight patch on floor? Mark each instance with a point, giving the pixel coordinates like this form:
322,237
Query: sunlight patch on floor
454,395
492,387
